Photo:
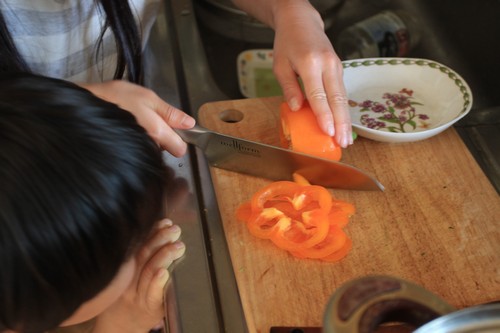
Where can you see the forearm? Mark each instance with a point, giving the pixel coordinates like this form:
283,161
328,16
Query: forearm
277,12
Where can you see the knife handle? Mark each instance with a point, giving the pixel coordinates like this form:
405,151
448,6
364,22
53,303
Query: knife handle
196,135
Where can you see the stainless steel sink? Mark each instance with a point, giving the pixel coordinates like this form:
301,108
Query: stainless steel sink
188,66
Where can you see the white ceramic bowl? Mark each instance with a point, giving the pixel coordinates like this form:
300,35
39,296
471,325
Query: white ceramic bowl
404,99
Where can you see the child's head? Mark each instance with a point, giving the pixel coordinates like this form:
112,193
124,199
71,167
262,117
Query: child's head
81,185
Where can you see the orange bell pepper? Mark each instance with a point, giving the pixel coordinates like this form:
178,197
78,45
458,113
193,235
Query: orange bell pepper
341,253
301,218
290,215
300,132
333,242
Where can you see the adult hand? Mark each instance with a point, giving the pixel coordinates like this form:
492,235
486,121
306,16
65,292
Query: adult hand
301,48
155,115
140,308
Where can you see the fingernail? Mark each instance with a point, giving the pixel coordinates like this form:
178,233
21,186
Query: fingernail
165,223
344,142
330,129
175,228
179,245
188,121
294,104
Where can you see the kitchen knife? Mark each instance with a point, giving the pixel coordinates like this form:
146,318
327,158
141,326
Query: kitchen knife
266,161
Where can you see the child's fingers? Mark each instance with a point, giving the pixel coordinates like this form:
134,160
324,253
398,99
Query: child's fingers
154,295
164,223
163,258
163,235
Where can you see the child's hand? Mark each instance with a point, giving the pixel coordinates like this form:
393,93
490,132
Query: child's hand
141,306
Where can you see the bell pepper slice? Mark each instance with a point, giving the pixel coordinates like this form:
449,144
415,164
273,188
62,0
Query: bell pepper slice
304,219
340,213
297,195
299,179
343,207
300,132
333,257
290,215
301,234
338,255
334,241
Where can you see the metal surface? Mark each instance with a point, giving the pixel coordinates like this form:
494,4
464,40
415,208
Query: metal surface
204,296
477,319
266,161
361,305
193,295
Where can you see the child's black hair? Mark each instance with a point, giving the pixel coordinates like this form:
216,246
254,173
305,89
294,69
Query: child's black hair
81,186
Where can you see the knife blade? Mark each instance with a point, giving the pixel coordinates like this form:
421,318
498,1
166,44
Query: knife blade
275,163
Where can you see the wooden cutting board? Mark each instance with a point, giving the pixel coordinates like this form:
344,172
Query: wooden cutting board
436,224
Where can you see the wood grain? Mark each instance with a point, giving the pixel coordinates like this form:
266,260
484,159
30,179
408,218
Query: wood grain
436,224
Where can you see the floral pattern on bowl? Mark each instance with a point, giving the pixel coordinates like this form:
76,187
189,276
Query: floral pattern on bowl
404,99
396,113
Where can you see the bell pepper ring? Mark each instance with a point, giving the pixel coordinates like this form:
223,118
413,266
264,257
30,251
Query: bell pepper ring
333,242
304,219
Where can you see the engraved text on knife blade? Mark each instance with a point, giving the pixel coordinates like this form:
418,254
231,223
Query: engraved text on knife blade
241,147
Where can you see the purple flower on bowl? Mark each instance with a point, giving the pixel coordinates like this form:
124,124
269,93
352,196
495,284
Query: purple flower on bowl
395,113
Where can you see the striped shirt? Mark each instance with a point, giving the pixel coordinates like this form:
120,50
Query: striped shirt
59,38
